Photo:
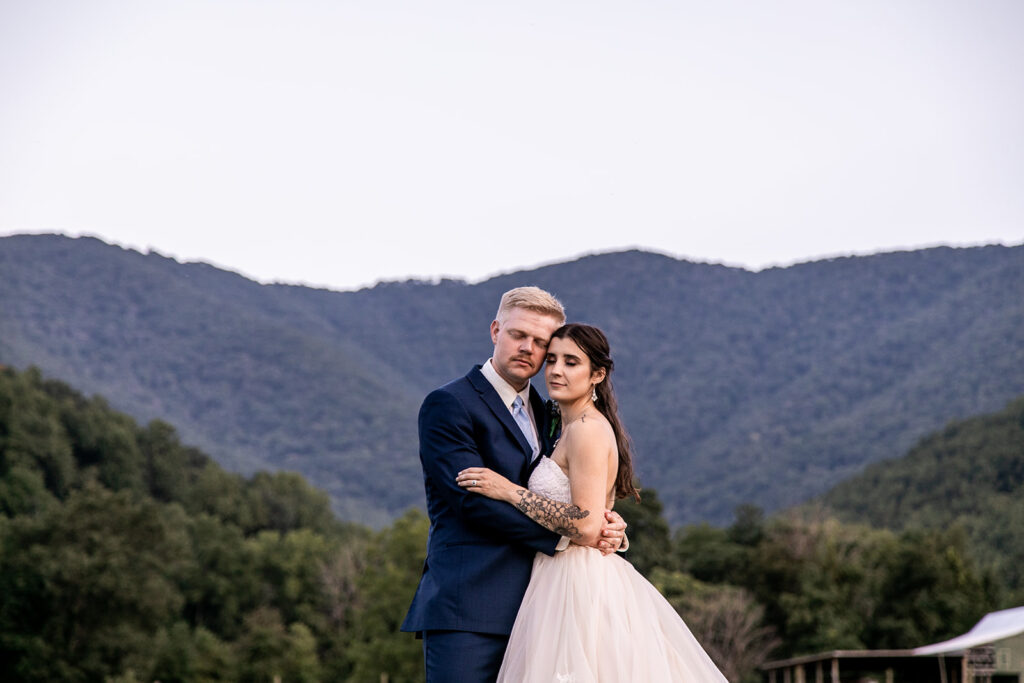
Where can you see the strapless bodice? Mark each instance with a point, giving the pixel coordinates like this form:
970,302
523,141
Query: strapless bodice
549,480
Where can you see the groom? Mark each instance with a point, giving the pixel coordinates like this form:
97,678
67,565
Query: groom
480,551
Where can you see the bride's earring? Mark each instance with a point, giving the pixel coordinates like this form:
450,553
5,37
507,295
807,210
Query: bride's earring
593,393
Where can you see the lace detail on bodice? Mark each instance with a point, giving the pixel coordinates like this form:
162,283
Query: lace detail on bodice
549,480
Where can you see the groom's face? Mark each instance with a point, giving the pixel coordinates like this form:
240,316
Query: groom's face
521,339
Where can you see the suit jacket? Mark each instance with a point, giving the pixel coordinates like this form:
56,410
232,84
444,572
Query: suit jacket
480,551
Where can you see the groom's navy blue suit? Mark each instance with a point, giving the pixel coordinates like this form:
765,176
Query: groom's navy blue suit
480,551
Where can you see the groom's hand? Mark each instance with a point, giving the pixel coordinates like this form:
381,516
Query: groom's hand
613,534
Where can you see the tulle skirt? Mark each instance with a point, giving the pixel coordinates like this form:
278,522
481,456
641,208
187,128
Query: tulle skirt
587,618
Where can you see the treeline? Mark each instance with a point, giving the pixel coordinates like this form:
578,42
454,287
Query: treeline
127,556
768,588
968,475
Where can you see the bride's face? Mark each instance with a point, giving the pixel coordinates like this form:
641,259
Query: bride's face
568,372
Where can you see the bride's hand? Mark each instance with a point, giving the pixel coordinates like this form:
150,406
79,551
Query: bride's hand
613,534
487,483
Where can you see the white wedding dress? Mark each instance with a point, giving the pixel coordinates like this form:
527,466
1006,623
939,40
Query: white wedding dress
588,618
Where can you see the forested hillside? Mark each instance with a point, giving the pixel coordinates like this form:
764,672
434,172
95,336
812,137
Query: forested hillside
126,556
764,387
968,475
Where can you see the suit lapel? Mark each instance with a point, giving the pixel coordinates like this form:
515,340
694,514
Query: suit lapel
540,418
493,401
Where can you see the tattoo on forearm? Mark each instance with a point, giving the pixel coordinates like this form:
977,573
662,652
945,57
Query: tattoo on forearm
551,514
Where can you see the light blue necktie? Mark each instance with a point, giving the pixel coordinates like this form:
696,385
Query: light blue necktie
522,419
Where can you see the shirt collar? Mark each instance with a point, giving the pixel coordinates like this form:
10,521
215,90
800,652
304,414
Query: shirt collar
506,391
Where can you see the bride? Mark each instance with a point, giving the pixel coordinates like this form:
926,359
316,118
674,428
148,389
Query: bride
585,617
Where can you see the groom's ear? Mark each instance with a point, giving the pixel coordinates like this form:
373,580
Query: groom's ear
495,326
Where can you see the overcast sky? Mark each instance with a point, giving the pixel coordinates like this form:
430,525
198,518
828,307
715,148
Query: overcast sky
339,143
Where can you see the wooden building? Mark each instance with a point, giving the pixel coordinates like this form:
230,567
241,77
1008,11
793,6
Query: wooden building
991,652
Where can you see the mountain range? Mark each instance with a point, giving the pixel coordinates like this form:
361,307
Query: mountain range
737,387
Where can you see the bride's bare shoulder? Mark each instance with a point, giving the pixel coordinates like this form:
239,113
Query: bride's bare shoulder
589,435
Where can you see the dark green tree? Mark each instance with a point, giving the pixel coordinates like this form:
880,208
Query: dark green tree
394,565
88,585
650,540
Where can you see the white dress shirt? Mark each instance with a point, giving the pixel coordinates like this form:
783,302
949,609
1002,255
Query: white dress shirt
508,394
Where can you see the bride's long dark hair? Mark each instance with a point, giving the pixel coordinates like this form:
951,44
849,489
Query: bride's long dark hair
593,343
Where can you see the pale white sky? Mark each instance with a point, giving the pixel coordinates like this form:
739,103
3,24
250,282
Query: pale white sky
338,143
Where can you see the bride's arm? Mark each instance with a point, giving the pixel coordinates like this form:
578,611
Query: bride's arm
581,521
587,452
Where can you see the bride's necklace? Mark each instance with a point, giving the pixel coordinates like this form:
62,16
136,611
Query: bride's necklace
582,416
579,418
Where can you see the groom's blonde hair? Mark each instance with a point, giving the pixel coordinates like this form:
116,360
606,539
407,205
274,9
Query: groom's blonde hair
532,299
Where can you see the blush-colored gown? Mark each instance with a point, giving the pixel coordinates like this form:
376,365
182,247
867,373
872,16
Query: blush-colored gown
588,618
